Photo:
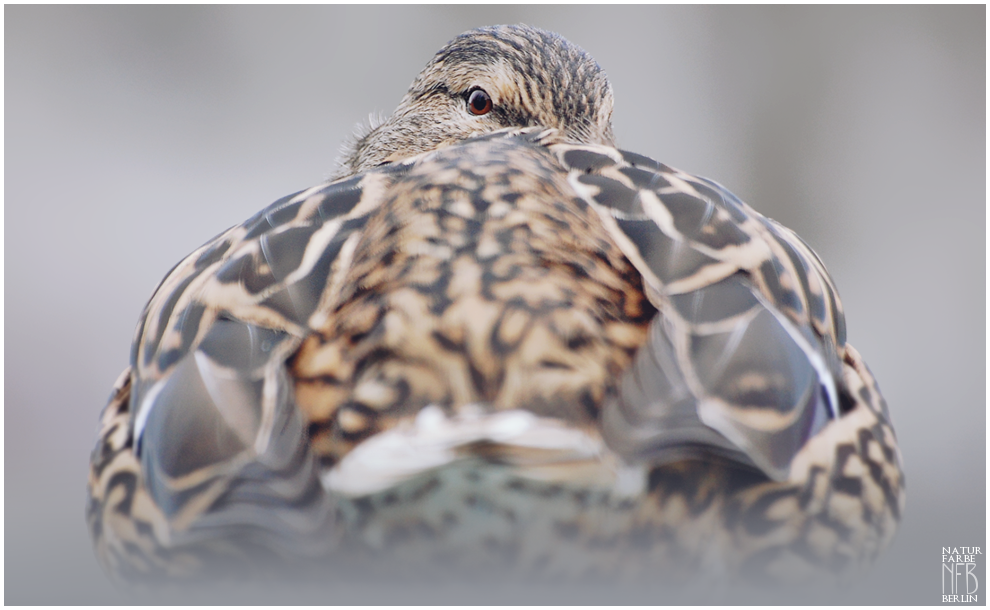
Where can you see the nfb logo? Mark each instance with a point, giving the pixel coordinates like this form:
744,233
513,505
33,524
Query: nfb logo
958,564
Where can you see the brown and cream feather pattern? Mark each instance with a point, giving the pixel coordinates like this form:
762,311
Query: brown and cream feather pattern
497,342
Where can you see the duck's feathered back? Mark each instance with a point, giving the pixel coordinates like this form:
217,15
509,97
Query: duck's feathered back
498,342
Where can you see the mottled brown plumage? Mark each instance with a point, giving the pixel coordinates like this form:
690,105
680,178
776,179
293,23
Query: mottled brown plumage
497,345
473,291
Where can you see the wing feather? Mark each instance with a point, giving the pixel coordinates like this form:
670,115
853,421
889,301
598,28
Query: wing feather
743,358
222,448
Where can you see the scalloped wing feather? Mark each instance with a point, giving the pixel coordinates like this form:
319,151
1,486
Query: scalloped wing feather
743,359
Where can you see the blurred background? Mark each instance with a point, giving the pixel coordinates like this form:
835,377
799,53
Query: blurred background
134,134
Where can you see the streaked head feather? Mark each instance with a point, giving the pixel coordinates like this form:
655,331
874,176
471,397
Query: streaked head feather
535,78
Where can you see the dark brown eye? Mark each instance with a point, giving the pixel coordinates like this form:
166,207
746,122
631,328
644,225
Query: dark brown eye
479,102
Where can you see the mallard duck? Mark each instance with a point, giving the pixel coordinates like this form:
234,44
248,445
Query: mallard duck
494,341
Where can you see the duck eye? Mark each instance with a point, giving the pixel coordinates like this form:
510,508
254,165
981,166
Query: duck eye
479,102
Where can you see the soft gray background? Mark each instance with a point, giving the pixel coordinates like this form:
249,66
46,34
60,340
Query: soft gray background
135,134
